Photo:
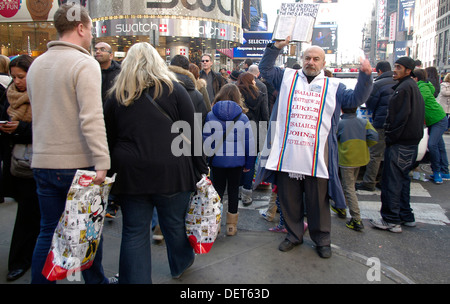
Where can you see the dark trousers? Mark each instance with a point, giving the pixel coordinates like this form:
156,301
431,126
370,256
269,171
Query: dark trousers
312,193
220,177
395,185
27,224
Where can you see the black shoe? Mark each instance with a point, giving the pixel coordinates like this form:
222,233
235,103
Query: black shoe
179,276
355,225
341,213
324,251
111,210
361,186
15,274
287,245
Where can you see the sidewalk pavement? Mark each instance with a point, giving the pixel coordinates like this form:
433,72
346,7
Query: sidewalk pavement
250,257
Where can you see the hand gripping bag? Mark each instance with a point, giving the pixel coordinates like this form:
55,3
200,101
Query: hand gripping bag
77,235
203,217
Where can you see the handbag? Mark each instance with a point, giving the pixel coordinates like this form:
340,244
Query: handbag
21,160
423,145
204,216
77,236
185,139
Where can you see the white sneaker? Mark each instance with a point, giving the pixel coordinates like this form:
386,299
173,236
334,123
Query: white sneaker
246,197
409,224
382,224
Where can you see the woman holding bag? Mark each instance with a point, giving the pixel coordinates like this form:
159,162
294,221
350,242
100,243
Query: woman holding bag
148,173
18,131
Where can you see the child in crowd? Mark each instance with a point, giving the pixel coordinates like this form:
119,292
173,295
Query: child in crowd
269,213
233,148
355,136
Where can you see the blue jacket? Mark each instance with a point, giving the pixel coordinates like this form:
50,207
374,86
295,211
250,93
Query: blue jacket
344,99
378,101
238,149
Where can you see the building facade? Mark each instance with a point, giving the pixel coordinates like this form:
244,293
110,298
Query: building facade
174,27
424,46
442,37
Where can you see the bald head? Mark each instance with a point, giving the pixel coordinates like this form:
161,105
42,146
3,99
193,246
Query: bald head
313,60
103,54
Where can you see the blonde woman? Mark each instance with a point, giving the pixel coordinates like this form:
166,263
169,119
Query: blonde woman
148,173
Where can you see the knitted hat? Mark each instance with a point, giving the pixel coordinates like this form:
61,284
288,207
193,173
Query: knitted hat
408,63
234,75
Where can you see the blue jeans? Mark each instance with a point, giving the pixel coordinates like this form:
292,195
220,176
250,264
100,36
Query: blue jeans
135,250
395,183
436,146
247,178
52,187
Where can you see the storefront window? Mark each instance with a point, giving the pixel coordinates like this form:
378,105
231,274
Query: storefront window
22,38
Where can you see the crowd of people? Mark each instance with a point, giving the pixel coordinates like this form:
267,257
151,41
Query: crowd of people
112,117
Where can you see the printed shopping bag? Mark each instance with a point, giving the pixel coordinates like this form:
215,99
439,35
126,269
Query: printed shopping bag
78,232
203,217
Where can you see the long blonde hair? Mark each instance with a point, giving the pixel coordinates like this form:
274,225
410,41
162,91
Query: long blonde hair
143,67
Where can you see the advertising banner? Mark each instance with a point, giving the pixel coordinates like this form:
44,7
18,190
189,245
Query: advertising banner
325,36
253,46
31,10
381,19
219,10
401,49
167,27
392,26
406,15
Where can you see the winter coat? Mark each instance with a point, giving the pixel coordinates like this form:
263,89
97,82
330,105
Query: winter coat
187,80
217,82
344,98
379,98
355,136
238,149
444,97
406,114
140,138
108,77
433,110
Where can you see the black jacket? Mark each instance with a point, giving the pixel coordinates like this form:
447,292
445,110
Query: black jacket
187,80
140,141
218,82
406,114
108,77
379,98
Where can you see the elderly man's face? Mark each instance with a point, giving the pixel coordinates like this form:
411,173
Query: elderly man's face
313,61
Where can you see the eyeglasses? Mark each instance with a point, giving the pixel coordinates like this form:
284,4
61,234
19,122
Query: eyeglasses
205,60
103,50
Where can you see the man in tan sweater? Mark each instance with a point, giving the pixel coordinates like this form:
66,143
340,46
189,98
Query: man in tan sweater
64,86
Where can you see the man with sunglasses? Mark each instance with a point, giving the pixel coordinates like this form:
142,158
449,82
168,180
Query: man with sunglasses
214,81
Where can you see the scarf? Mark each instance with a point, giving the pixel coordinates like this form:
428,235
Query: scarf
19,105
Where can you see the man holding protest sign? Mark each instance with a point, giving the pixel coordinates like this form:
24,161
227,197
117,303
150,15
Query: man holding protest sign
300,154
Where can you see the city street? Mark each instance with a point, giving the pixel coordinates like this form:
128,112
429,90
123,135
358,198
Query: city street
417,255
